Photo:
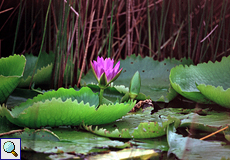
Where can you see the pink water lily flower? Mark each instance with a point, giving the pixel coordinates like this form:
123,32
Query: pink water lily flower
104,70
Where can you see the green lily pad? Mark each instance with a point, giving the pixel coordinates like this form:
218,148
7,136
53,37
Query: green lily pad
65,107
43,70
227,133
154,76
218,94
6,126
70,141
189,148
184,81
11,72
110,93
18,96
128,153
31,134
141,125
153,143
210,122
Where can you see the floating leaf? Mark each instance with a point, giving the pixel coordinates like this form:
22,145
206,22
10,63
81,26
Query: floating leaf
71,141
189,148
130,153
31,134
184,81
65,107
154,76
227,133
142,125
217,94
210,122
43,70
18,96
6,126
110,93
153,143
11,72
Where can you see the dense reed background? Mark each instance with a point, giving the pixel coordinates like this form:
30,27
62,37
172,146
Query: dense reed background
80,30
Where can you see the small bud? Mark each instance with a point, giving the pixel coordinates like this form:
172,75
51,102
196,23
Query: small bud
135,85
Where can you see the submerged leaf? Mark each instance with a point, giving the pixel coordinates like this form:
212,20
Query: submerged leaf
65,107
11,72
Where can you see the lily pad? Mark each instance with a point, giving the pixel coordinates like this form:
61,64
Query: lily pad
18,96
111,93
154,76
31,134
153,143
184,81
11,72
227,133
70,141
6,126
218,94
210,122
43,70
65,107
189,148
130,153
140,125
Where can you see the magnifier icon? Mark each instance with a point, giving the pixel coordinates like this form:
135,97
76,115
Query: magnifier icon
9,147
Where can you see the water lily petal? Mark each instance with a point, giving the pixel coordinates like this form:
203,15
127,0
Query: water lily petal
94,64
117,67
100,60
106,66
100,72
109,74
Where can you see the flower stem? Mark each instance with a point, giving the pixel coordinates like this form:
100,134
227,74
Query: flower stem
101,96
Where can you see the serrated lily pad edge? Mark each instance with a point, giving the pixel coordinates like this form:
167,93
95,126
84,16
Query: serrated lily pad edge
203,98
125,133
29,117
189,95
223,98
25,82
16,78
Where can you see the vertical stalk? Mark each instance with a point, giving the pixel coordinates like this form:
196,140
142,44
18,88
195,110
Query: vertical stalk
43,38
17,27
189,29
221,23
149,29
101,95
25,30
128,43
86,50
110,31
31,36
